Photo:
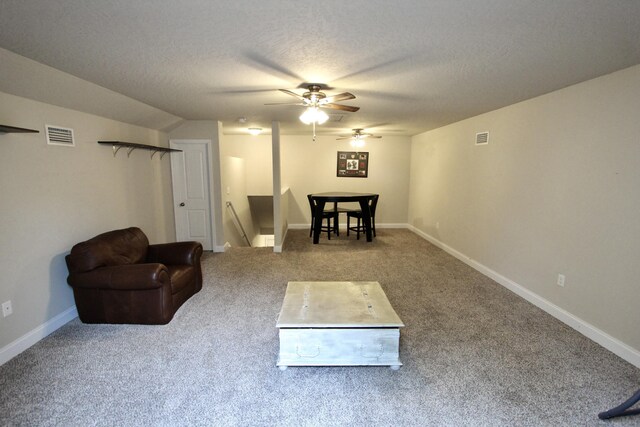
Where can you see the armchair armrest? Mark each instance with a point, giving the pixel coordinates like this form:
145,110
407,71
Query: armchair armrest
178,253
122,277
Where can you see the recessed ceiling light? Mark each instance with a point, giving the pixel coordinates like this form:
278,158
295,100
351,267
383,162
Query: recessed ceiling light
254,131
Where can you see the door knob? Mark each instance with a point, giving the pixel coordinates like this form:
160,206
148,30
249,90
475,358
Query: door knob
182,204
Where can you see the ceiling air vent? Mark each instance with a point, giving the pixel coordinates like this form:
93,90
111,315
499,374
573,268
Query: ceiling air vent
57,135
482,138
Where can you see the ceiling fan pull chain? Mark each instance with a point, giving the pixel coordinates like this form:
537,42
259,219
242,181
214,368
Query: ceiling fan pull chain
314,131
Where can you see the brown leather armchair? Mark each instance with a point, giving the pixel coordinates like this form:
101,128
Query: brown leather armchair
118,277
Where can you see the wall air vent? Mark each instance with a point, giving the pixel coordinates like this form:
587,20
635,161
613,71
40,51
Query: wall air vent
57,135
482,138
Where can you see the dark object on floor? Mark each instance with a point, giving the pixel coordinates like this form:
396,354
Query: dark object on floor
620,411
118,277
327,214
359,227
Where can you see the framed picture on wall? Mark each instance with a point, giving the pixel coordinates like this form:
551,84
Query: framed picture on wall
353,164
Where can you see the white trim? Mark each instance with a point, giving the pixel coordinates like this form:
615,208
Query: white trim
278,209
343,226
388,225
208,148
16,347
278,248
612,344
298,226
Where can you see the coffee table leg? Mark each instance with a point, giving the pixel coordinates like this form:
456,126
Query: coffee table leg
394,367
283,367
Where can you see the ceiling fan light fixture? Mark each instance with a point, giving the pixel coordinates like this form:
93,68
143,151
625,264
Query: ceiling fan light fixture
313,115
357,137
254,131
356,141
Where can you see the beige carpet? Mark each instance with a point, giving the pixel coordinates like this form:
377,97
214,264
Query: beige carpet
473,353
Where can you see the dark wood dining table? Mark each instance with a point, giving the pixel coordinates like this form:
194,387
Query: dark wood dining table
321,200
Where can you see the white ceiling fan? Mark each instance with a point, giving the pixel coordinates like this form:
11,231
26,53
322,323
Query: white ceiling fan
358,136
314,99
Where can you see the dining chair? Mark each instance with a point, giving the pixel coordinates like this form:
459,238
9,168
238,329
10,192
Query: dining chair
337,210
326,214
357,214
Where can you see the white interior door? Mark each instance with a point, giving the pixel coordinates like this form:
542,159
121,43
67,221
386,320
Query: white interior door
191,195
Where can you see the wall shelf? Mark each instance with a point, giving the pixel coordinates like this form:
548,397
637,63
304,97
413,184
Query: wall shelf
13,129
117,145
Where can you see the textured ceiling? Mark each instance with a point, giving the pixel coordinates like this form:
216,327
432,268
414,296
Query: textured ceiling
412,65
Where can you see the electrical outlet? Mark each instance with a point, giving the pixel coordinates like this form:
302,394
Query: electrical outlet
6,308
561,280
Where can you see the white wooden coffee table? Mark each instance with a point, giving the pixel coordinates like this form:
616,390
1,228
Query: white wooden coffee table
338,324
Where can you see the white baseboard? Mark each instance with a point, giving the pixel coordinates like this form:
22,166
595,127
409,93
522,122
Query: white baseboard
298,226
612,344
391,225
16,347
343,226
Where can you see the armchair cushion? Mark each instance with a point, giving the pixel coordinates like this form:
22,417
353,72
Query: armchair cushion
118,247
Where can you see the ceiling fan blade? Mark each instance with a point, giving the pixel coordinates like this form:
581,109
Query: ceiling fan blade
285,103
343,137
339,97
288,92
340,107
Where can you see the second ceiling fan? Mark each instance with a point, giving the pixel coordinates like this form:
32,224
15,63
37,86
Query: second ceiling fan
357,137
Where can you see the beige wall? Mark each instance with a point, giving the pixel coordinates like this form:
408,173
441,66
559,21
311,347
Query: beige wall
251,176
555,191
256,153
53,197
234,191
310,167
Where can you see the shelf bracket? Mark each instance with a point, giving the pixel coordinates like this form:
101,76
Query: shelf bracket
116,149
162,153
130,150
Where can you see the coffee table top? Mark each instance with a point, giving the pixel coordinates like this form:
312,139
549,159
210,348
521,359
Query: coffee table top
336,305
